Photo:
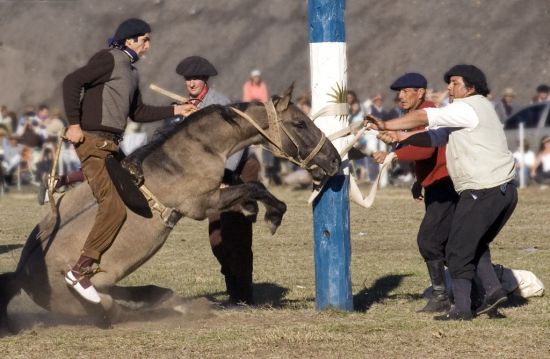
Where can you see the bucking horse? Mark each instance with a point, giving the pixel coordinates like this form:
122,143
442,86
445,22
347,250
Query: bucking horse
183,170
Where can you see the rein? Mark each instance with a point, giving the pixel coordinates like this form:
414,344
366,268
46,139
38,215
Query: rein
273,136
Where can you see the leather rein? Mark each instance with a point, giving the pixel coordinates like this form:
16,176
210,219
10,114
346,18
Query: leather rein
273,136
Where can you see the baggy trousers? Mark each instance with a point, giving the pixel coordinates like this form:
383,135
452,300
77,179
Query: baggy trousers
440,200
111,211
230,233
478,218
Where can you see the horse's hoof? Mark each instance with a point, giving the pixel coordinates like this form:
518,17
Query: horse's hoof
103,322
272,226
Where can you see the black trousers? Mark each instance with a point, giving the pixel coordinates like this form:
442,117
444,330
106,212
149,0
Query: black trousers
478,218
440,200
230,233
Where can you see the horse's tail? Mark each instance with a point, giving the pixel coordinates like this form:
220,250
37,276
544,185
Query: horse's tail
9,288
41,233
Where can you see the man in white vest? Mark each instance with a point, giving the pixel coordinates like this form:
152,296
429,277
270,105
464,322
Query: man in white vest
481,168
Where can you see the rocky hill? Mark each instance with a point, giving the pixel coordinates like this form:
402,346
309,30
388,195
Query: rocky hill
41,41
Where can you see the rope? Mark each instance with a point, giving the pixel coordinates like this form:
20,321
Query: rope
53,173
274,128
355,193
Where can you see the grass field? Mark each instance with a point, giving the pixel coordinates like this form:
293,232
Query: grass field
388,278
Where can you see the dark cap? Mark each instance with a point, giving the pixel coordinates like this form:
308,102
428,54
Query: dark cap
543,88
409,80
471,75
131,28
195,66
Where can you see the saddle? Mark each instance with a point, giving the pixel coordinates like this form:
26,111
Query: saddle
127,177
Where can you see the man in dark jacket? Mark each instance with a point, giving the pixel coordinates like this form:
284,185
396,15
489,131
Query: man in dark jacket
230,233
110,85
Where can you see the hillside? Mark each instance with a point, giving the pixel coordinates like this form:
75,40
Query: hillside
41,41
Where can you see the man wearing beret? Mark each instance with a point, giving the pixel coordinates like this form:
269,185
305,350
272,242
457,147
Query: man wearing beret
230,233
110,86
482,170
439,196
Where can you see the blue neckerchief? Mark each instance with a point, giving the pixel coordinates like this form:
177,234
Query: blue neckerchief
119,45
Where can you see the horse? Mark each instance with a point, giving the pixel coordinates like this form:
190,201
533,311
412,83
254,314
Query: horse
183,170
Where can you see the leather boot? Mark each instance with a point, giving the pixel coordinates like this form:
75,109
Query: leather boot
239,289
439,302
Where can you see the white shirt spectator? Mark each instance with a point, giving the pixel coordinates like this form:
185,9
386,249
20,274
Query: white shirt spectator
527,160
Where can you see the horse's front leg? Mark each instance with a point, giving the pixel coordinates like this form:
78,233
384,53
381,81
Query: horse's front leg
241,196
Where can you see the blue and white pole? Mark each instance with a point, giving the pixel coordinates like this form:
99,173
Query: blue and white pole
332,250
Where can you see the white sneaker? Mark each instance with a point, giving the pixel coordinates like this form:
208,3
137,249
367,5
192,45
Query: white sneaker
90,294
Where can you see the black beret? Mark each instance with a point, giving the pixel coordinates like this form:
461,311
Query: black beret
131,28
409,80
195,66
469,72
543,88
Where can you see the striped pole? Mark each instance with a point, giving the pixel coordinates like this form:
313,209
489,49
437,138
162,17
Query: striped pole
332,249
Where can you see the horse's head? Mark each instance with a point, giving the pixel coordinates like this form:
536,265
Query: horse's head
303,141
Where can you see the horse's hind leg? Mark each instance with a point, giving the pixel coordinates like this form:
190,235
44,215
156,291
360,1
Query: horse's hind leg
9,288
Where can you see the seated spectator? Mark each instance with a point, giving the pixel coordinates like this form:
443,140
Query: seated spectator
505,107
255,89
29,131
377,107
543,91
5,120
11,157
53,125
524,162
541,169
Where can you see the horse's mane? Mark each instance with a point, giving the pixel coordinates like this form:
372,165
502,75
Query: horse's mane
166,132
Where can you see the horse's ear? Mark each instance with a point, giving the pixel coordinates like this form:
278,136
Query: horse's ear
281,104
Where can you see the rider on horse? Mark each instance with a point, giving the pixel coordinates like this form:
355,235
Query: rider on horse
110,84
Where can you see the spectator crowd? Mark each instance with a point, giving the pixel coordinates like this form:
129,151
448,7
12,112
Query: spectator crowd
29,141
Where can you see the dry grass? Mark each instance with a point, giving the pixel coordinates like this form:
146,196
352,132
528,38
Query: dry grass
388,277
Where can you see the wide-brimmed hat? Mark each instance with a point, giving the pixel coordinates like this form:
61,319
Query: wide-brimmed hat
508,91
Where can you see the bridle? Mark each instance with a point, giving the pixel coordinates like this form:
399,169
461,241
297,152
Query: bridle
273,136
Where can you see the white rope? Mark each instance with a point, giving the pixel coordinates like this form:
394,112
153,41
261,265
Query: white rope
332,109
354,191
341,133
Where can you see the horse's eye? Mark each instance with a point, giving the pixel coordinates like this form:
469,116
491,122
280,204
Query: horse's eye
300,124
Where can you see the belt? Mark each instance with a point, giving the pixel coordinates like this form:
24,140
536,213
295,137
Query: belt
116,138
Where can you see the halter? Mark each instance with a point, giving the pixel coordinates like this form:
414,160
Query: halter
273,136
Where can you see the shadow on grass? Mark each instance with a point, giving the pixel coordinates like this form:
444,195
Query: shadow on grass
265,294
363,300
5,248
270,294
